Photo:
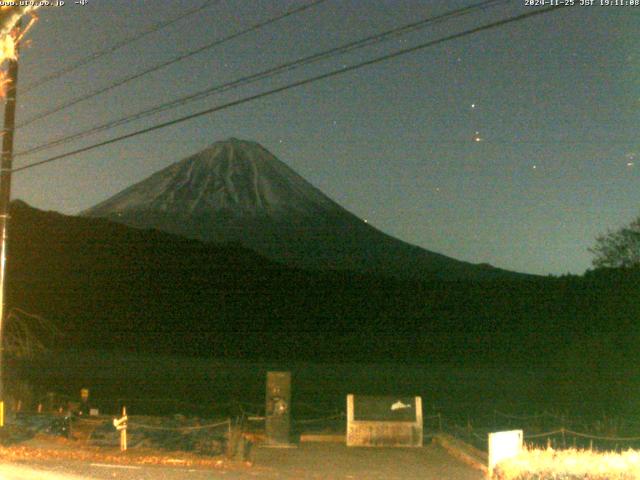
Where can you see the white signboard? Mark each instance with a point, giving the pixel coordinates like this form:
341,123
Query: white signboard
384,421
503,445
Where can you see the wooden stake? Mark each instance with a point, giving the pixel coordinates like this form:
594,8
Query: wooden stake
123,433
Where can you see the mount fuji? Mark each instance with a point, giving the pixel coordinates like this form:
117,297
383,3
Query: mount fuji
237,191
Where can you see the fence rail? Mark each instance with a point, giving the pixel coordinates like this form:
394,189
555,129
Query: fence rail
610,432
606,432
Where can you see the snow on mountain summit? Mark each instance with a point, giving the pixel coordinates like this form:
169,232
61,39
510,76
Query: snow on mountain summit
237,191
234,176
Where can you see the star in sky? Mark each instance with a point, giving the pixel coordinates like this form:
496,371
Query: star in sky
516,106
631,159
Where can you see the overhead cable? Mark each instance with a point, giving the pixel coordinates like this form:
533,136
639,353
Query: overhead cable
92,57
164,64
268,73
296,84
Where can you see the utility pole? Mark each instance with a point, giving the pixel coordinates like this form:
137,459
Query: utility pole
6,166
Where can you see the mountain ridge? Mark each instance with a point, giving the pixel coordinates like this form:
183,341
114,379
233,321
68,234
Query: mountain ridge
231,175
237,191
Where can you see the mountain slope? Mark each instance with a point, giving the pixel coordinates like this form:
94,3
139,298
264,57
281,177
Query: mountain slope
237,191
111,286
232,178
107,285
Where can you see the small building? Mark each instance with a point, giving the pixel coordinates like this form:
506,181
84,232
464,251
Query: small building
384,421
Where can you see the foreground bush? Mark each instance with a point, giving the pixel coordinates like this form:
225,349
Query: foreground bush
570,465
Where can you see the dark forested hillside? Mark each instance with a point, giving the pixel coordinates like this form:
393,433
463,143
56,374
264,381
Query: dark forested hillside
110,286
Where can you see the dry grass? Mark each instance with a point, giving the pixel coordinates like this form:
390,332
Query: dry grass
570,464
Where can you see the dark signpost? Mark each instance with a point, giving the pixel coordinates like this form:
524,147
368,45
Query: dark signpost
278,408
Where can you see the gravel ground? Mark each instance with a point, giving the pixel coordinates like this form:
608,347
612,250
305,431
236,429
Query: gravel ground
308,461
336,461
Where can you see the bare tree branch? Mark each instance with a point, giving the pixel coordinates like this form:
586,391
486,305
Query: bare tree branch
27,334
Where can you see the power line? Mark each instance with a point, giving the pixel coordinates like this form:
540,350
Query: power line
116,46
162,65
351,46
299,83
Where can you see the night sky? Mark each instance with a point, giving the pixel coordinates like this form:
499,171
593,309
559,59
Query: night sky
515,146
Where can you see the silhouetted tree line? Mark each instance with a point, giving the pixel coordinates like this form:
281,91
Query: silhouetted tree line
107,286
